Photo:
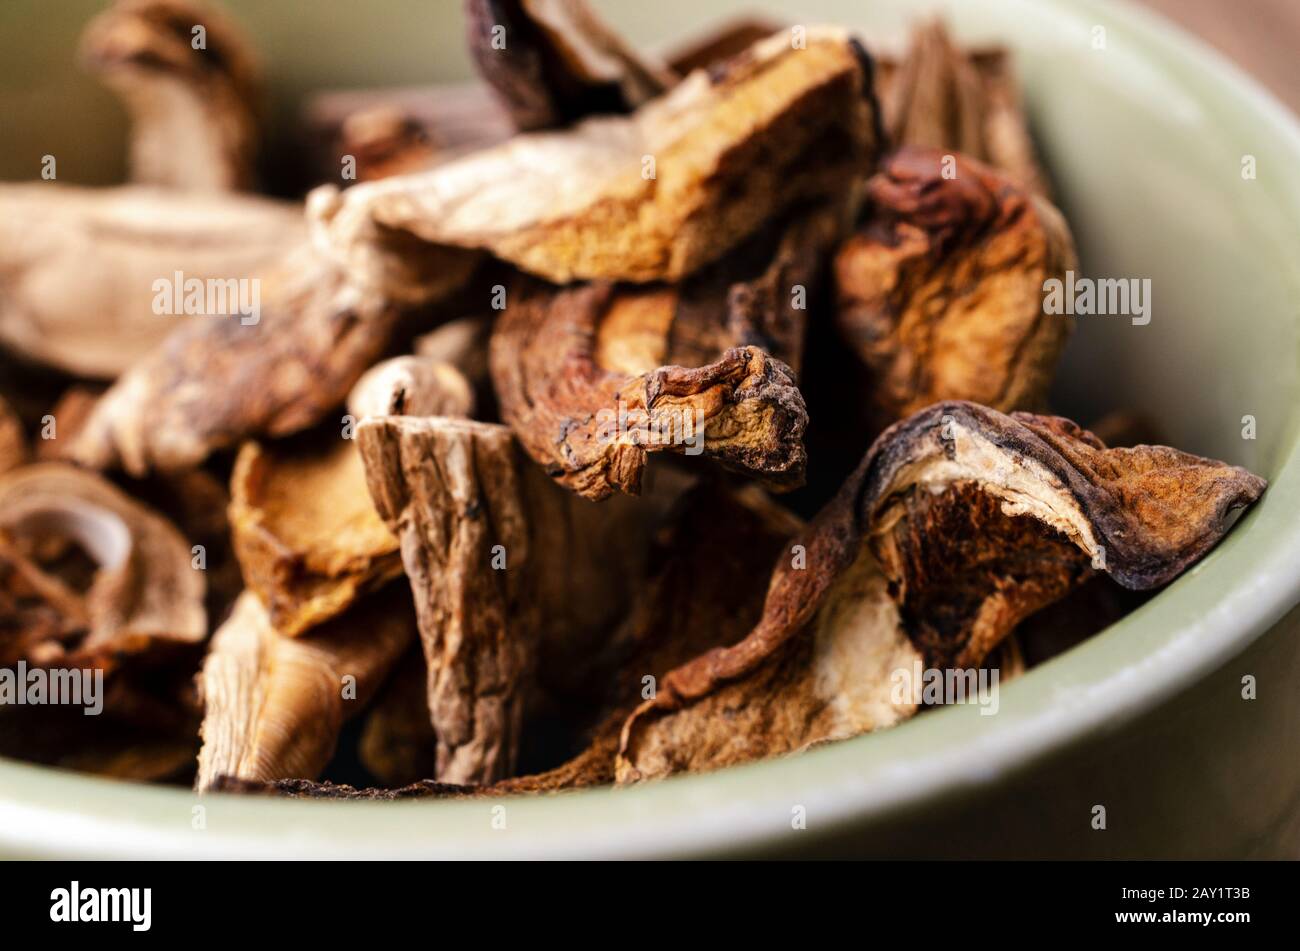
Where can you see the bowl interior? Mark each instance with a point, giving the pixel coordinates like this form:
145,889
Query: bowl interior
1145,140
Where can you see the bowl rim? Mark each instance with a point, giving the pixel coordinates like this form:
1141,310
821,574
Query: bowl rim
1199,622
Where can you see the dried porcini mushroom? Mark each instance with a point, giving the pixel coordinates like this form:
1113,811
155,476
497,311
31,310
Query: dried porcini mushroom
215,382
475,530
13,445
940,292
307,536
273,704
129,585
552,62
476,627
650,196
62,247
959,523
721,43
591,428
941,97
189,79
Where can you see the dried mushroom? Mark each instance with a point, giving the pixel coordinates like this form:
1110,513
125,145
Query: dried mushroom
593,378
189,79
941,97
13,444
477,531
960,523
62,247
274,704
215,382
940,292
90,575
591,428
307,536
552,62
650,196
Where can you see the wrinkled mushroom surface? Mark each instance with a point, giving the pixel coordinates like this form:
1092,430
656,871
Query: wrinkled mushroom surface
188,76
505,569
82,266
133,585
941,291
273,705
649,196
308,538
551,62
959,523
215,382
591,426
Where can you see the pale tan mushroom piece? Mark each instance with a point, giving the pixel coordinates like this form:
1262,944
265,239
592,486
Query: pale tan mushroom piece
273,705
189,79
83,267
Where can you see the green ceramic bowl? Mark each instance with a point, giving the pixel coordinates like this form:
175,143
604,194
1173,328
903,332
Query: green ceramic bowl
1145,141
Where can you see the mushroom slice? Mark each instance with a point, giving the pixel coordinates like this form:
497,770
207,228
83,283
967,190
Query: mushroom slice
959,523
145,590
650,196
307,536
579,380
959,100
61,246
216,382
13,445
193,104
475,530
940,293
552,62
273,705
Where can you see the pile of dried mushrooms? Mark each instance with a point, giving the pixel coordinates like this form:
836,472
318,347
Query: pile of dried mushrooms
503,483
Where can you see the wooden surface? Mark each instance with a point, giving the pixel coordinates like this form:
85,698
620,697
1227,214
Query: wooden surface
1261,36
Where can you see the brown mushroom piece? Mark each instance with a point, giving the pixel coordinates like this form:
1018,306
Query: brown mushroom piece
13,444
552,62
273,705
398,131
307,536
62,246
398,744
91,575
189,79
479,532
650,196
940,96
940,293
959,523
708,592
580,376
214,383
